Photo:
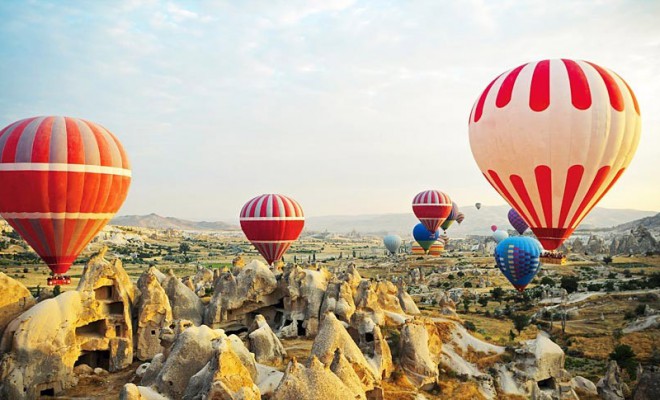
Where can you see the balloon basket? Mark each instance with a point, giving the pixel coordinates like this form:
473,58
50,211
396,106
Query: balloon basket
59,280
553,258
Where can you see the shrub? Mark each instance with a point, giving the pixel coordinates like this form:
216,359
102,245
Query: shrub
469,325
570,283
626,358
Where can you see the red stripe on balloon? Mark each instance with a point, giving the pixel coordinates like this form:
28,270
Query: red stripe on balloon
595,185
613,90
9,150
573,179
519,185
499,186
580,92
41,147
539,94
609,186
544,184
504,94
480,103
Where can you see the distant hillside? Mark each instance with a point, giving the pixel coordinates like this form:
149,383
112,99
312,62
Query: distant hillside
155,221
651,223
477,222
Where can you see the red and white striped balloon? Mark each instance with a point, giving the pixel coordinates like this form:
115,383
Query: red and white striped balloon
271,222
431,207
61,180
552,137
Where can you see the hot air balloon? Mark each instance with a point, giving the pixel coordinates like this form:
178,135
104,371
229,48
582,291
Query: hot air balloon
517,222
392,243
493,228
478,205
424,237
552,137
451,217
61,180
518,259
271,222
499,235
431,208
460,217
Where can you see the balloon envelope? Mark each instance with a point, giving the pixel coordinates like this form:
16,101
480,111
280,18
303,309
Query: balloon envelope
478,205
272,222
493,228
61,180
500,235
517,222
518,259
552,137
460,217
451,217
392,243
431,207
424,237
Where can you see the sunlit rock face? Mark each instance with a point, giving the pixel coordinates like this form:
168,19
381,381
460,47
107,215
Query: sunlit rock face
91,325
15,300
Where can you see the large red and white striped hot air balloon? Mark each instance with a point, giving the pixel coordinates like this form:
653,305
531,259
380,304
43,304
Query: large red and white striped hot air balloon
431,207
61,180
552,137
271,222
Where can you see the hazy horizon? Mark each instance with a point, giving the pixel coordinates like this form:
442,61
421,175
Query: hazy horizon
350,107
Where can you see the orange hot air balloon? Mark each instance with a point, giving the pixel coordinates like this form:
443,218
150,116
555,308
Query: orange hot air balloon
61,180
552,137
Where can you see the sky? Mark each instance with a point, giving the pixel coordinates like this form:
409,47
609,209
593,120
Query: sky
350,107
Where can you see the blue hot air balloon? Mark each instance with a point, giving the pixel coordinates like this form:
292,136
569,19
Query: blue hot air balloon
424,237
392,243
499,235
518,259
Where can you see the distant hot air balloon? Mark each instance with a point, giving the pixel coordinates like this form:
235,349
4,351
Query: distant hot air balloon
517,222
451,217
272,222
493,228
478,205
552,137
424,237
499,235
392,243
460,217
518,259
61,180
431,208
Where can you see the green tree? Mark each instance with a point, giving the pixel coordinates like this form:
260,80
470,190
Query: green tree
640,309
607,260
483,301
57,290
570,283
467,284
184,248
497,294
626,358
511,335
466,304
547,281
520,322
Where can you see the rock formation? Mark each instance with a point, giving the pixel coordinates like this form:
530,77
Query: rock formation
154,313
241,292
90,325
15,300
648,386
610,386
266,347
316,381
416,358
332,336
184,302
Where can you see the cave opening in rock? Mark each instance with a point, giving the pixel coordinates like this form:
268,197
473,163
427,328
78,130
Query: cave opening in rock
96,328
301,329
50,392
547,384
369,337
99,358
103,293
116,308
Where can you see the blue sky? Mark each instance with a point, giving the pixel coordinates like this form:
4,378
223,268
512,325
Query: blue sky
350,107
